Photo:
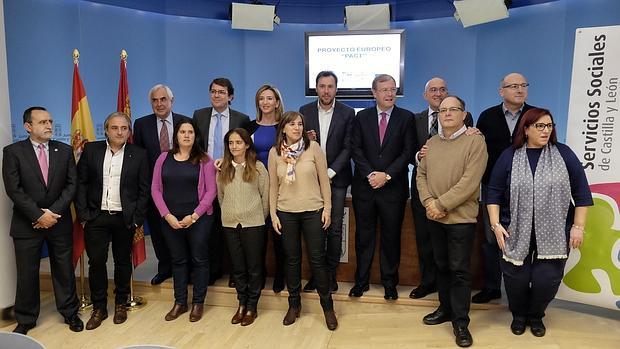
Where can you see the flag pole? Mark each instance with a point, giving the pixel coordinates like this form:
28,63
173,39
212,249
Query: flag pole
134,302
85,302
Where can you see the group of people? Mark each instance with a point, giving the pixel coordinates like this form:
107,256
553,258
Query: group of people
219,179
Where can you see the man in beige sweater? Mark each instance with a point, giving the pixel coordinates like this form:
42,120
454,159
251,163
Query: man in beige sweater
448,180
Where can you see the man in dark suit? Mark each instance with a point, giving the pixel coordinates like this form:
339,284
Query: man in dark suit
154,133
426,125
111,202
498,125
214,122
329,123
382,144
40,178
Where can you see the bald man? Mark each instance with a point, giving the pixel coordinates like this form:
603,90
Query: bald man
427,125
498,124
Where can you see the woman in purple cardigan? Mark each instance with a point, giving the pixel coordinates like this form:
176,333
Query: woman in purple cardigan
183,190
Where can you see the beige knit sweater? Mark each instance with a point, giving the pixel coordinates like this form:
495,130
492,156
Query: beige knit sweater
451,172
242,202
310,191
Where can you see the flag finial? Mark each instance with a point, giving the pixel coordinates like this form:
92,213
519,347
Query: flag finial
76,56
123,54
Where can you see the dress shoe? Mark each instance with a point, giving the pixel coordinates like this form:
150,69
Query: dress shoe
463,337
310,286
196,313
291,315
231,282
176,311
358,290
486,295
330,320
249,317
518,326
333,285
422,291
23,328
159,278
390,293
213,278
238,317
278,284
437,317
538,328
96,317
75,323
120,314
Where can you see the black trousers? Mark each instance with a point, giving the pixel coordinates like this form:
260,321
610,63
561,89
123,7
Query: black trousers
390,215
452,246
28,259
99,232
532,286
426,260
309,222
217,246
162,252
490,251
190,244
246,247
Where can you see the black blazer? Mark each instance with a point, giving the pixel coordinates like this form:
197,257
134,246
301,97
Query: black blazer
338,145
145,135
203,119
135,186
392,157
492,123
25,186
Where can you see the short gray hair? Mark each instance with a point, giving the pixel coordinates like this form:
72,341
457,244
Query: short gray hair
116,114
381,78
157,87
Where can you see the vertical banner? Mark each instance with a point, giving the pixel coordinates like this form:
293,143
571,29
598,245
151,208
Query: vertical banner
7,254
592,273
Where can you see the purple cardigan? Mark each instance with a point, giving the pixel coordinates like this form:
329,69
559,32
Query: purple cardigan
207,189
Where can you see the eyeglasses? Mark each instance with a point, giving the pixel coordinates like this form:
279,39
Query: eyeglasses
219,92
541,126
388,90
435,90
451,110
516,86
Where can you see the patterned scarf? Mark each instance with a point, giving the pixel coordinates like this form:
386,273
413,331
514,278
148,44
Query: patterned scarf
542,198
290,154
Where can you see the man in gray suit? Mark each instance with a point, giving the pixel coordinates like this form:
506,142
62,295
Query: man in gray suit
214,122
426,125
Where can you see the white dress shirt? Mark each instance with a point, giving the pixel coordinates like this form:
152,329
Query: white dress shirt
112,168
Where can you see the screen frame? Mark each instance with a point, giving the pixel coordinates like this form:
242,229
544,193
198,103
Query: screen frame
354,93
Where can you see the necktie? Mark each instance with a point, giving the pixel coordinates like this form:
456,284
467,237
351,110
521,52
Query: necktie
434,125
382,126
218,148
164,139
43,162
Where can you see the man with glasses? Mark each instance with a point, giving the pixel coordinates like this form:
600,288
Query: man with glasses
448,181
214,122
498,125
154,133
382,144
426,125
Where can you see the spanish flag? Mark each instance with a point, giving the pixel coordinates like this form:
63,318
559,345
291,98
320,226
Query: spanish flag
138,250
82,131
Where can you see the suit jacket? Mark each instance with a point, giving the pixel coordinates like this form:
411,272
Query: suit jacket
25,186
203,119
134,186
492,123
337,139
145,135
392,157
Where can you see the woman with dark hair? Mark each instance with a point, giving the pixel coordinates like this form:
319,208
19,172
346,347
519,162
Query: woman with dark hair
530,201
243,193
300,202
269,108
183,190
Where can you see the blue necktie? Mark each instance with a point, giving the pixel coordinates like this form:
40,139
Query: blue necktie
218,147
